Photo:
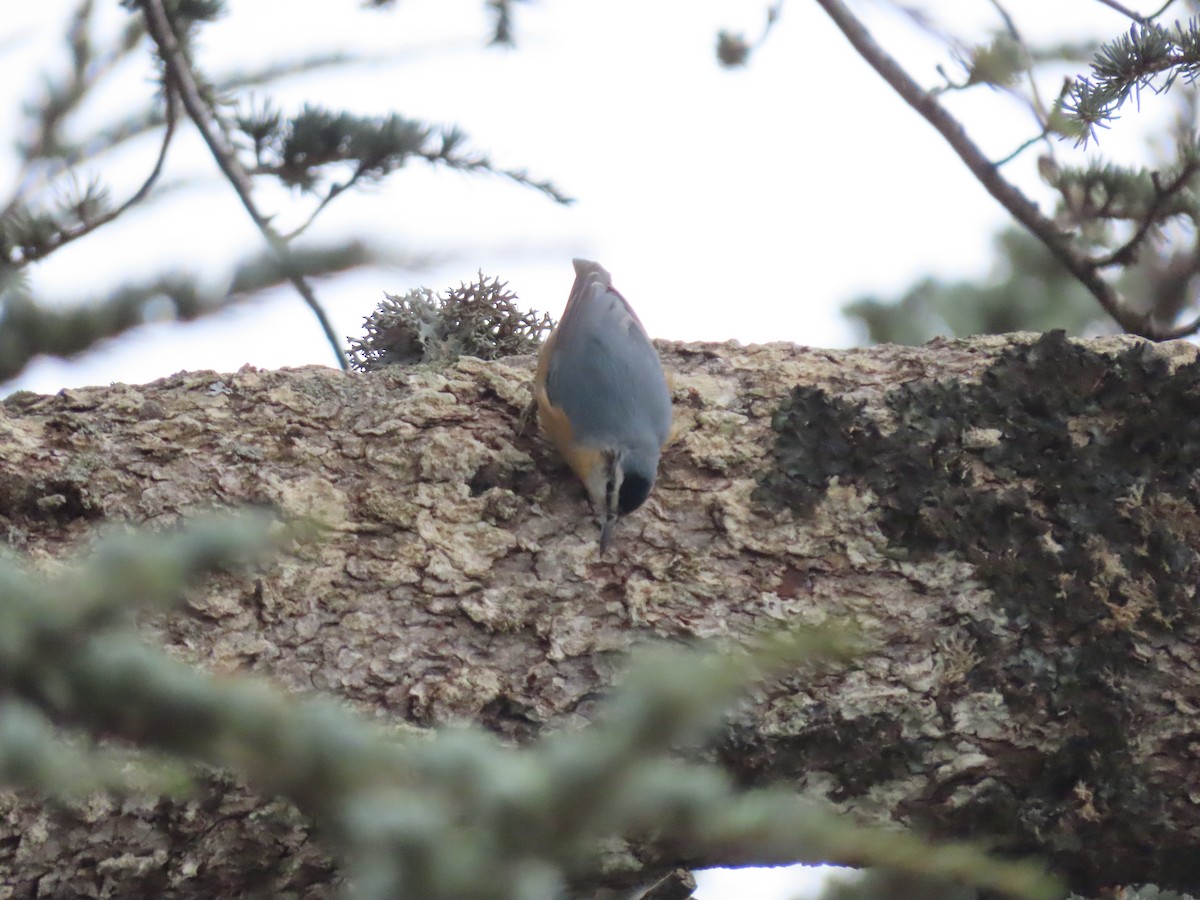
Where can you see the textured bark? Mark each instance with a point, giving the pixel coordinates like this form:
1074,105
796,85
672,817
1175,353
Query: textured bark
1011,521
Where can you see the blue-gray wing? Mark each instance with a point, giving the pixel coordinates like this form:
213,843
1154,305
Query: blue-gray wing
604,372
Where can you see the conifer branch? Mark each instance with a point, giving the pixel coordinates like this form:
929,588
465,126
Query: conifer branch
89,224
1127,252
179,70
30,328
1059,243
425,816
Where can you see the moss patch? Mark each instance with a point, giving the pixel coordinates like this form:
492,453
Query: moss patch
1068,479
1065,476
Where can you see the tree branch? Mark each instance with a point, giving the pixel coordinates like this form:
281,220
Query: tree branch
67,655
1124,254
1009,196
63,238
1017,648
34,326
1137,17
179,70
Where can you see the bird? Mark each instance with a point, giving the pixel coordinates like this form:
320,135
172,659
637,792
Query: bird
602,397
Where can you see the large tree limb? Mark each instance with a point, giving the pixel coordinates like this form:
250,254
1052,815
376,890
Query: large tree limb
1011,523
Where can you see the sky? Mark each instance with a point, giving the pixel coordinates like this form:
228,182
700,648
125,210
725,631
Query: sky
746,204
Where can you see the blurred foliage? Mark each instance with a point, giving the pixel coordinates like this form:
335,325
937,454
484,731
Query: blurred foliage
300,150
501,12
734,48
318,153
28,329
480,319
502,21
877,884
1028,290
1125,236
453,813
886,884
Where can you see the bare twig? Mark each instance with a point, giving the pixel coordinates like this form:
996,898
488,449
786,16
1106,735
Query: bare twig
65,237
482,163
334,191
1137,17
1010,197
678,884
1009,24
179,70
734,50
1022,147
1035,95
443,155
40,157
1123,10
1034,101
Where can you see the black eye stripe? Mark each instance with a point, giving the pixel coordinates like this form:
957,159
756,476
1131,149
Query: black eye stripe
634,491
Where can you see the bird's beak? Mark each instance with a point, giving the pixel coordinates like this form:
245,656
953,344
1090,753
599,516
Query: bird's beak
606,531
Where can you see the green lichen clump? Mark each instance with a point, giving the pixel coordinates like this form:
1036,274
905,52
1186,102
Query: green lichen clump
480,319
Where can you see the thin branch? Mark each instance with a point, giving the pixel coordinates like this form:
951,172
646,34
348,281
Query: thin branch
1185,330
1010,24
1034,101
1035,96
179,70
446,152
1123,10
1123,255
1010,197
62,98
1022,148
483,163
334,191
1137,17
47,114
66,237
134,125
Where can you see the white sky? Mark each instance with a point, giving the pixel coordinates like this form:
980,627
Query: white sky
747,204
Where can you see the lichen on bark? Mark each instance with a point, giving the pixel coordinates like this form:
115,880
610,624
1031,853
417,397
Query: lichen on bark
1009,521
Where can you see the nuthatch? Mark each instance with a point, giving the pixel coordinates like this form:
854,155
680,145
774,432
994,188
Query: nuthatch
603,398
